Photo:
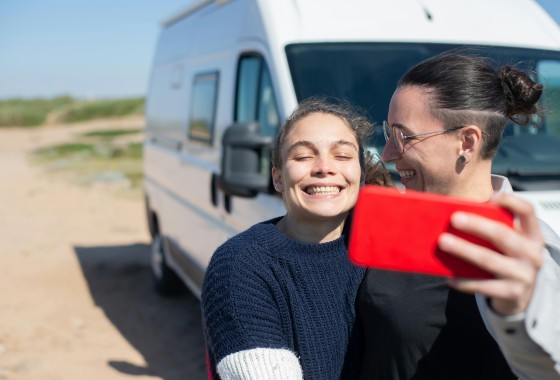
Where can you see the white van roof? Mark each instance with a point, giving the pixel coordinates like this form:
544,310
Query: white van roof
437,21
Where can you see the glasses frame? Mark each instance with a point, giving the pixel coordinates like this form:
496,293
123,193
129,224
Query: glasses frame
389,131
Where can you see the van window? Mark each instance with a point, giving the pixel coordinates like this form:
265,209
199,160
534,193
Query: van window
549,74
247,89
255,100
203,107
268,117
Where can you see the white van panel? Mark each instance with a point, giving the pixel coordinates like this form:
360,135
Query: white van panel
467,22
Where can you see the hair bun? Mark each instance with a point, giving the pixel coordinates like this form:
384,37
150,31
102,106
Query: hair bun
521,93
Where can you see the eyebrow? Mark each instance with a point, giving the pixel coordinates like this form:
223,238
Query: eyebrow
310,145
402,128
344,142
297,144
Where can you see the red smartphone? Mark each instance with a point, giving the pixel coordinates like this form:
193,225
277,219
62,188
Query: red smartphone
399,231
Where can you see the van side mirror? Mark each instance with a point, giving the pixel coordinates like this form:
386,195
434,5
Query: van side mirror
245,160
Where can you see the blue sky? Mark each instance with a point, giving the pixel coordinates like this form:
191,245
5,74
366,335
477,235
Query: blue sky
89,49
100,48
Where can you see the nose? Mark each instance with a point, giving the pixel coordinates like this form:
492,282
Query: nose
324,166
390,152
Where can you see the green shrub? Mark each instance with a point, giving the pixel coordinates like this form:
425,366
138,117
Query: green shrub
29,112
102,161
110,133
100,109
134,150
62,151
33,112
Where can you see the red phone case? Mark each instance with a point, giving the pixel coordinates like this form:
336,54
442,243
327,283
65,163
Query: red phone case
399,231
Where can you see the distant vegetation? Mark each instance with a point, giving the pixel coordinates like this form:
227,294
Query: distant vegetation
30,112
109,134
81,111
64,109
113,155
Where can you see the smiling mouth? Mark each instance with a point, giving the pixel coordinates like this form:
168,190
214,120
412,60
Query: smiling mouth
407,173
322,190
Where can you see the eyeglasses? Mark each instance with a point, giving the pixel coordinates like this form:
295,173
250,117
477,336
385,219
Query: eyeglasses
399,139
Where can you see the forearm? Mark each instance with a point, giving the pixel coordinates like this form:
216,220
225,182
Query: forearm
531,341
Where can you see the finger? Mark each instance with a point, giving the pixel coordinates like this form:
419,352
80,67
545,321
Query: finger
506,240
523,210
499,265
508,298
490,288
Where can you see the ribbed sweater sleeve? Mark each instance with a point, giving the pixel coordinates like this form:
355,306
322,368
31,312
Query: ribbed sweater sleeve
238,303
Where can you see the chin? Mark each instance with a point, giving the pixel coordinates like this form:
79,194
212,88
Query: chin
409,186
328,213
412,185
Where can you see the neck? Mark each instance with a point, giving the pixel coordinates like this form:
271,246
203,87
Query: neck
312,231
476,182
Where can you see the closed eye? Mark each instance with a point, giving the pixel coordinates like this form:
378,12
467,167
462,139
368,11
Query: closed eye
344,157
303,157
344,150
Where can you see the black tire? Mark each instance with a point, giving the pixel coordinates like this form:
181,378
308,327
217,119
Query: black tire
166,281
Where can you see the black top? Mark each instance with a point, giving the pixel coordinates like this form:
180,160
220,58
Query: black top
416,327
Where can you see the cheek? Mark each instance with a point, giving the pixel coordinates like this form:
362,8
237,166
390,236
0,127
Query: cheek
294,167
354,173
440,162
294,173
422,159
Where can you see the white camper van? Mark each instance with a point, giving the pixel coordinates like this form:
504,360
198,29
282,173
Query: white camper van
227,72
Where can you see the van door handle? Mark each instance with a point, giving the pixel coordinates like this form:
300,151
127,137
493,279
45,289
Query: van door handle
214,189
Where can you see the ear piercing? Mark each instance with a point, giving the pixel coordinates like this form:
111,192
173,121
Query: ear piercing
462,159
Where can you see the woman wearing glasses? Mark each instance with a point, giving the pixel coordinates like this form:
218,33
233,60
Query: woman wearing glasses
445,121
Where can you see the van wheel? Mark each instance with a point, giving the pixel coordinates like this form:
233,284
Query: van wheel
166,281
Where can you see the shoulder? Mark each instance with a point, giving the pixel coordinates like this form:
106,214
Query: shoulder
254,236
247,245
238,267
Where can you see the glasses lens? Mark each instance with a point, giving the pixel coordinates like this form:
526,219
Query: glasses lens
386,131
398,138
395,133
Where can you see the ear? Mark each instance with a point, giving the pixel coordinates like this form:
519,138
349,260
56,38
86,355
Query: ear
471,142
277,179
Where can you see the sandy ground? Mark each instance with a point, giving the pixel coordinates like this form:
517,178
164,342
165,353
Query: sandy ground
76,298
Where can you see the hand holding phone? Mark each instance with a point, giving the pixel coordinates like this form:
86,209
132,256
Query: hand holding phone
399,231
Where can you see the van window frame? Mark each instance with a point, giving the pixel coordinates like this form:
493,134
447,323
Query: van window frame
263,66
213,75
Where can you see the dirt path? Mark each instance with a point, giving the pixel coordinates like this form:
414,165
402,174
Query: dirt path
76,299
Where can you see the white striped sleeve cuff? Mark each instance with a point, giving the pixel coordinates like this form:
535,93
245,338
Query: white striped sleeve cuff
260,363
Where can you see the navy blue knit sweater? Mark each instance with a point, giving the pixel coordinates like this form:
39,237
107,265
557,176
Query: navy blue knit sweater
263,289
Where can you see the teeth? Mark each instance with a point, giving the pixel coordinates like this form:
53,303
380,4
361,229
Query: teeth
322,190
406,173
